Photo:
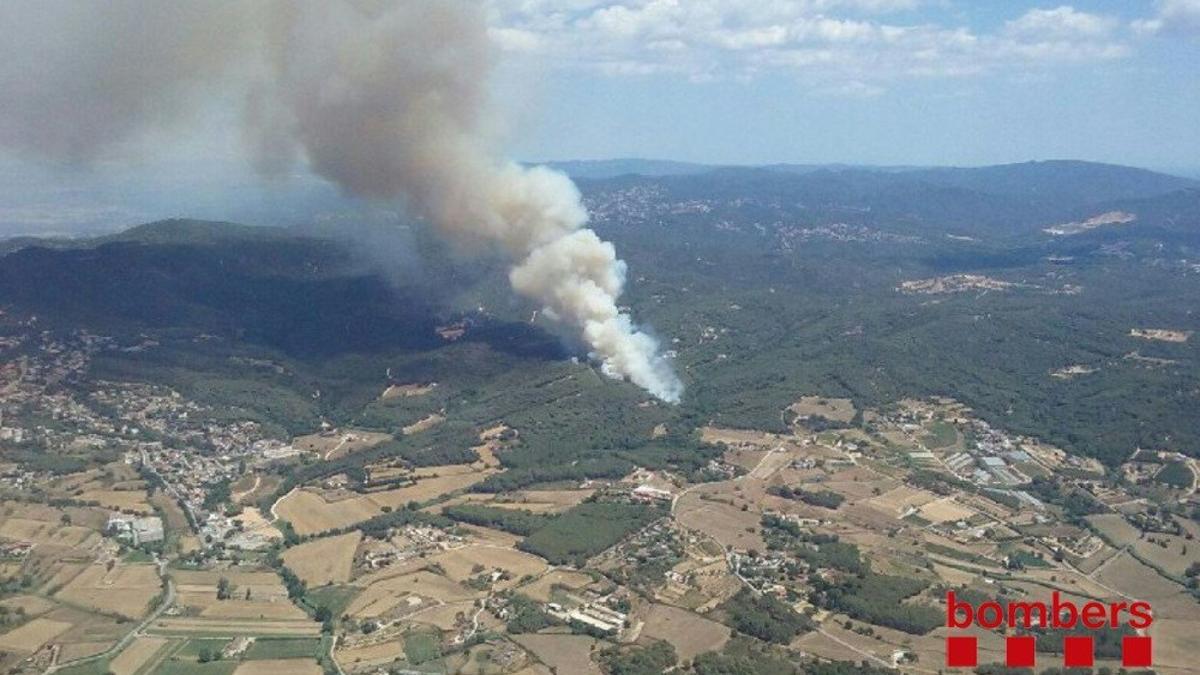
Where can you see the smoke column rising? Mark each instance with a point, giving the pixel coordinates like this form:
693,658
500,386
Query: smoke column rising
386,99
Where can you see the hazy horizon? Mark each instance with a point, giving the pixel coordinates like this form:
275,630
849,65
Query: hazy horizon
49,202
877,83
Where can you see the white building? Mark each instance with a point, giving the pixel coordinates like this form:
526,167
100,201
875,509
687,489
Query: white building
651,494
136,531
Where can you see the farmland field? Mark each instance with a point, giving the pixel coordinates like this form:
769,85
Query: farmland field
444,617
30,604
324,561
563,653
120,500
269,648
689,633
1115,528
895,501
543,501
279,667
421,646
836,409
460,564
126,589
236,608
137,654
438,480
253,595
410,589
309,513
89,634
336,598
1170,553
267,612
944,510
539,589
194,668
264,583
48,532
31,636
229,627
729,525
378,653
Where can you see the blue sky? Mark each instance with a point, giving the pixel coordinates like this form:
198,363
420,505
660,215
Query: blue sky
858,81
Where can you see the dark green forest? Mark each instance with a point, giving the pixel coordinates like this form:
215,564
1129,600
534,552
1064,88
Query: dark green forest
786,286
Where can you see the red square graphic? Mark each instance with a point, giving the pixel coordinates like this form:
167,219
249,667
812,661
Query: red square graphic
1018,651
1135,651
1077,651
962,652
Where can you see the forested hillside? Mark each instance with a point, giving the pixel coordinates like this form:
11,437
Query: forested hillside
765,284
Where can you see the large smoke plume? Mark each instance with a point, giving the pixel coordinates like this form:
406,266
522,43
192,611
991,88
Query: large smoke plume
386,99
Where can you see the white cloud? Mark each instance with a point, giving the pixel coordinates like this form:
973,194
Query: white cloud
851,89
751,38
1178,17
515,39
1062,23
843,47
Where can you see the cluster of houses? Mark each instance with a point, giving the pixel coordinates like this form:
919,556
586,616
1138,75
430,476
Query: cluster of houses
410,542
595,615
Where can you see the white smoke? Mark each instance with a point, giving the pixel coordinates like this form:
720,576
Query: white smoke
386,99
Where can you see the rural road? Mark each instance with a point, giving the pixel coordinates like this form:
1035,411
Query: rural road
733,567
1092,577
748,474
237,496
333,654
856,650
274,513
121,644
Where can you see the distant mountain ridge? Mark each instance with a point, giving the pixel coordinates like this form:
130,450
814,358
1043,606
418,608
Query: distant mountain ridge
190,231
608,168
1001,200
169,231
1113,180
1058,179
1011,200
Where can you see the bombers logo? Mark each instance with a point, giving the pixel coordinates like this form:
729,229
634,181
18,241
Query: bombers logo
962,651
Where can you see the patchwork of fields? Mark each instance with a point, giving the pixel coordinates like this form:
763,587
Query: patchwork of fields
833,542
